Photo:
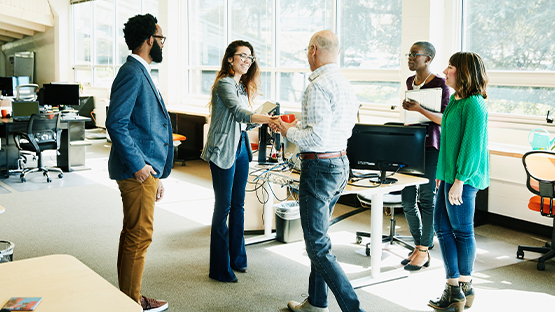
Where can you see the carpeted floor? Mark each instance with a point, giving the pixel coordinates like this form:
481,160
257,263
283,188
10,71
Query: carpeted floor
83,218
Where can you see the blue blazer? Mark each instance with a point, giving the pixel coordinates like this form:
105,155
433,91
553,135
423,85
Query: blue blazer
138,124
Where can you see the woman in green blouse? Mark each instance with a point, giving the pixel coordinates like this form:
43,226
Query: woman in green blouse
462,170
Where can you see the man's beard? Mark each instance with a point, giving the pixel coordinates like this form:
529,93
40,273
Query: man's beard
156,52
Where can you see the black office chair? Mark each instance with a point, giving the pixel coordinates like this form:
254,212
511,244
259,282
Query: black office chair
540,180
391,200
43,133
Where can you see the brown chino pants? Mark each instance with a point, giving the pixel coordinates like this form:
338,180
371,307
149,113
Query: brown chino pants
136,235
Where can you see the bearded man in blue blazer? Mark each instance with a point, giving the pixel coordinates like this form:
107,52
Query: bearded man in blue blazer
142,151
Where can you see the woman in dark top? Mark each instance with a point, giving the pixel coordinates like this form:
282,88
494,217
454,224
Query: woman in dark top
420,217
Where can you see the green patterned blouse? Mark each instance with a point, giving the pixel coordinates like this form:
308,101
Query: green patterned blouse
463,152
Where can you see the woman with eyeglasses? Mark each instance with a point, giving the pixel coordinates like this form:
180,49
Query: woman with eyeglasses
229,152
420,216
462,170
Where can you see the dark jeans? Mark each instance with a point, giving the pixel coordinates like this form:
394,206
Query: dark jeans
421,220
227,246
454,227
321,183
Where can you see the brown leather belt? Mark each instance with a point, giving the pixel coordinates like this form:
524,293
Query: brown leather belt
322,155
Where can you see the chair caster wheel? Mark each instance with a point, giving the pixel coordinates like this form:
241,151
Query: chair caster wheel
541,266
23,180
48,180
61,175
359,240
368,251
520,254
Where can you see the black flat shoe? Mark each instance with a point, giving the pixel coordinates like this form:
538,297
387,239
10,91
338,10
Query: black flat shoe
405,261
241,270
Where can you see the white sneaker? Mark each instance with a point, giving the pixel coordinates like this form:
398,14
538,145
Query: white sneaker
304,307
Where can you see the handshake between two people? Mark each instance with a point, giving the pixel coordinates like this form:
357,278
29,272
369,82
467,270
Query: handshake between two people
283,123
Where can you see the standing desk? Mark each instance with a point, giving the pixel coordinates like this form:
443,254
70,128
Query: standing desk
376,218
64,283
72,148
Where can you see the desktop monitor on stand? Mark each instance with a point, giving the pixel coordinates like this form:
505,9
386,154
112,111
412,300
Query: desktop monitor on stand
265,138
61,94
387,148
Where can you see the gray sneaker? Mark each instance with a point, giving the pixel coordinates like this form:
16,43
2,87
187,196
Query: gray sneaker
304,307
152,305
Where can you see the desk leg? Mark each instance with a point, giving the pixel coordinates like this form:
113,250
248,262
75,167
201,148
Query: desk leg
376,215
268,217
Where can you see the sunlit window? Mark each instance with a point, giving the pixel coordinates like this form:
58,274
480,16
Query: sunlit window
514,36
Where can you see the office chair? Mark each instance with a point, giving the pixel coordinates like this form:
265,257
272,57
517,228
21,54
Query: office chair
391,201
43,133
540,180
177,139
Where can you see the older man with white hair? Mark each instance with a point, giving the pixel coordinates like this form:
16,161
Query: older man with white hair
329,110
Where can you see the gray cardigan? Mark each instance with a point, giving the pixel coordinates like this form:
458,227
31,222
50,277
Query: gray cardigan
229,109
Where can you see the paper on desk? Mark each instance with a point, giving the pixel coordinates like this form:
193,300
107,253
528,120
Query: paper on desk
430,99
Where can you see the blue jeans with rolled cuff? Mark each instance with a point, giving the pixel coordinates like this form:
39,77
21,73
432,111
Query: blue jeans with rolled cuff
454,226
227,245
321,183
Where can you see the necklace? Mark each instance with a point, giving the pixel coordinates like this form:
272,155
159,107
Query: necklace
417,87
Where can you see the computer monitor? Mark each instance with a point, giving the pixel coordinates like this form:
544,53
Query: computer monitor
387,148
61,94
7,85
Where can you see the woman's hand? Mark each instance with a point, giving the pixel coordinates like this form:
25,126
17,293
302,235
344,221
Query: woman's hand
411,105
262,118
455,193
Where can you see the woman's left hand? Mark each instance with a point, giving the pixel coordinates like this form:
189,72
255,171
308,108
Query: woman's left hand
455,193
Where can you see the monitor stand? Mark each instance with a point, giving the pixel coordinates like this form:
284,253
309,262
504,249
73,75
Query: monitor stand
382,179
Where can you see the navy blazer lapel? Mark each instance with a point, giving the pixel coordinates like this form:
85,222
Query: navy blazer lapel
152,86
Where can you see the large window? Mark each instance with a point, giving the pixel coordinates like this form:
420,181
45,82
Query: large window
369,33
99,48
517,43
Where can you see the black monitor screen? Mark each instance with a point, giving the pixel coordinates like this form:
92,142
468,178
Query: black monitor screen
7,85
387,148
61,94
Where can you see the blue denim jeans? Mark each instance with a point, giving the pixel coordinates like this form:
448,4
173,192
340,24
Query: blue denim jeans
421,219
454,227
321,183
227,245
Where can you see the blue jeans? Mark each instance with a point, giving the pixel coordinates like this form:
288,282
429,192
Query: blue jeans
227,246
454,227
321,183
421,221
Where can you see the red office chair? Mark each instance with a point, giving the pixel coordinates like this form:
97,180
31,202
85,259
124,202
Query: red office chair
177,139
540,180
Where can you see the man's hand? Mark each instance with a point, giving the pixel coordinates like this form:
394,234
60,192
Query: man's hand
143,174
280,126
159,191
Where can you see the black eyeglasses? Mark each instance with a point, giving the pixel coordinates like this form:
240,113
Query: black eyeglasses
163,39
245,57
414,55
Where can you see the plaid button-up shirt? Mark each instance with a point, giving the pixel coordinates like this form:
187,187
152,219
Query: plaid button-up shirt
329,112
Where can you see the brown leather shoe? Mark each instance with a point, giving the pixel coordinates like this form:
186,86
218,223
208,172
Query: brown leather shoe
152,305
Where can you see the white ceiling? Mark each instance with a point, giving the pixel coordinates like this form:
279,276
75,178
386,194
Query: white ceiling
22,18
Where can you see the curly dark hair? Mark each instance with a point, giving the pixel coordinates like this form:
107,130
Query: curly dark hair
139,28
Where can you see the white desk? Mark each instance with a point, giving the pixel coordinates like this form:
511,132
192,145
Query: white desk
376,219
64,283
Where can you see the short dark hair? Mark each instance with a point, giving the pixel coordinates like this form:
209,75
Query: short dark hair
471,74
427,48
138,29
